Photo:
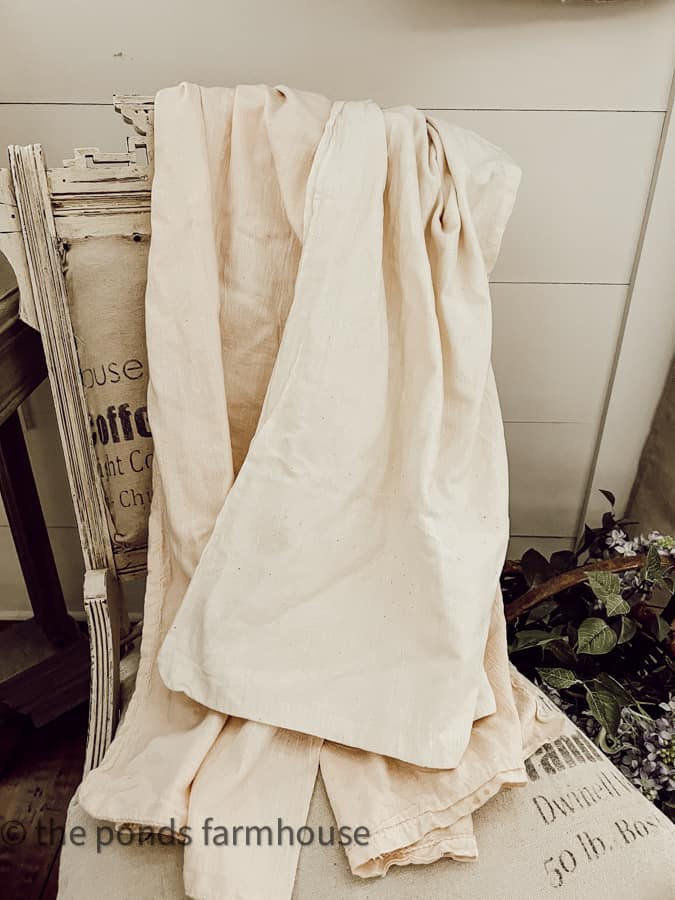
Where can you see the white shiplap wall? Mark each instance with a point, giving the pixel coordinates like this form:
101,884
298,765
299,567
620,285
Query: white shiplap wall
576,93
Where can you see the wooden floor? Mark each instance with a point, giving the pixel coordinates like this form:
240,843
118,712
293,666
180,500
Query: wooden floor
39,771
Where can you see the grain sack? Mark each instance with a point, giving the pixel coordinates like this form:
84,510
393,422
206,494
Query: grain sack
105,278
578,830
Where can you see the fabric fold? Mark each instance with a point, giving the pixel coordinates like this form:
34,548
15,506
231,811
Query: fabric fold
248,805
420,815
374,489
329,517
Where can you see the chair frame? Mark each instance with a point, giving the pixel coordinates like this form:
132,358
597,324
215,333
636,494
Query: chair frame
90,190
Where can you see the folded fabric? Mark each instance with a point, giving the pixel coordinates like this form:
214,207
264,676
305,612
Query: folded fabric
420,815
329,516
354,561
256,774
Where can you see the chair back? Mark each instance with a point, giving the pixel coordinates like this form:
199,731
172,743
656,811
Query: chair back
81,265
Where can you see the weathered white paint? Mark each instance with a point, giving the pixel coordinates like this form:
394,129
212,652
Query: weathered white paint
646,347
553,349
572,241
585,181
549,464
494,54
585,186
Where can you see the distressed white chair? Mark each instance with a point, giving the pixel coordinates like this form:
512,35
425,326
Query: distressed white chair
77,237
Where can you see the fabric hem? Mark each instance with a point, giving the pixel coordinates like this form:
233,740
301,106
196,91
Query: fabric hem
393,837
158,817
180,673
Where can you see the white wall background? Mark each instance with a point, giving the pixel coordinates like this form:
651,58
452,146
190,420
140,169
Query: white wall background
577,93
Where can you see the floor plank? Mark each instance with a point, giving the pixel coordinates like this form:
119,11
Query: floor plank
39,778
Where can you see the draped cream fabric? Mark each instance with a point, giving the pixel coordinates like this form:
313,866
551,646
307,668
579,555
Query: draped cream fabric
354,562
330,490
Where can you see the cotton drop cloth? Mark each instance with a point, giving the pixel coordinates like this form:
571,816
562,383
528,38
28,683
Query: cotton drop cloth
353,563
329,517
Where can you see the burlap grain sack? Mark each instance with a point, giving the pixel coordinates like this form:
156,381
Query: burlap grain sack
577,830
106,278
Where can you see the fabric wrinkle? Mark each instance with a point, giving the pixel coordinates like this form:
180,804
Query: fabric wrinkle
330,508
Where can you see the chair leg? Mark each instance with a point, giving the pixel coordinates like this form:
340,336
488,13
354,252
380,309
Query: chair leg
103,606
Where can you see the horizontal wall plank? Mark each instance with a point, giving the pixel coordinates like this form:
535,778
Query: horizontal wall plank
553,349
577,220
549,466
46,456
548,470
445,53
13,594
14,603
582,199
49,468
7,278
69,563
548,462
14,599
61,128
580,207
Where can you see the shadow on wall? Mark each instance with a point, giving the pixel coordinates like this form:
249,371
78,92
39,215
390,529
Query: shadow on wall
41,434
652,501
7,278
444,14
46,455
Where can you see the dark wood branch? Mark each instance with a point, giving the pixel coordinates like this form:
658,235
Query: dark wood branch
567,580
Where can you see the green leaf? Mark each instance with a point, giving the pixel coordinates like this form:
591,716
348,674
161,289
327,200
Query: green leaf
604,584
616,688
658,627
662,628
609,745
609,495
595,637
607,588
534,637
604,707
558,678
628,629
616,605
652,569
542,610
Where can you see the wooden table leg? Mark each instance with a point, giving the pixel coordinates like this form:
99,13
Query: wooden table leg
27,524
45,660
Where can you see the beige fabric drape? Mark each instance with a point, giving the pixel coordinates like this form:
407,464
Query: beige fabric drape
371,508
330,491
